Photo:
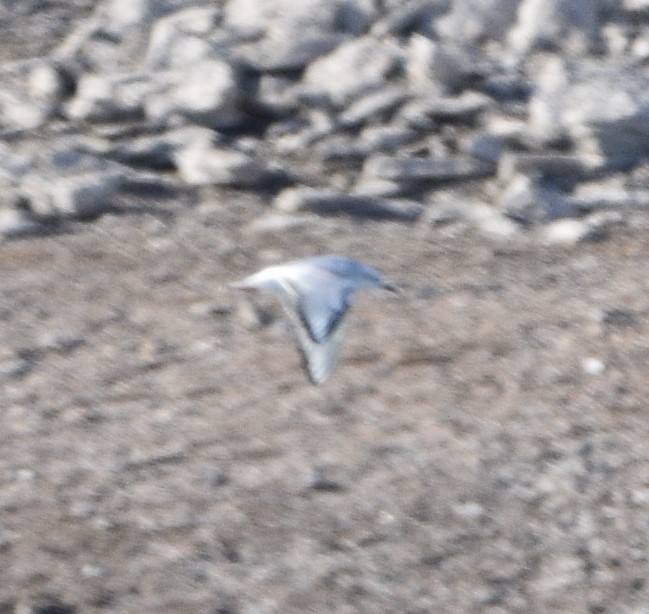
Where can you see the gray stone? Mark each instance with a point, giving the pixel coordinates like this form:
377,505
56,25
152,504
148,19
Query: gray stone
566,232
353,69
386,138
372,107
527,200
432,170
19,112
111,97
405,17
31,93
13,165
115,36
475,20
464,108
593,227
589,198
202,163
564,168
487,219
278,18
291,52
157,152
330,202
442,63
69,183
182,38
604,109
206,93
17,223
569,25
121,16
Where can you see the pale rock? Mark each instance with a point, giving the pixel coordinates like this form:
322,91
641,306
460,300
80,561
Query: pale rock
17,223
181,38
206,93
111,97
353,69
527,200
604,109
332,202
570,25
202,163
471,21
72,184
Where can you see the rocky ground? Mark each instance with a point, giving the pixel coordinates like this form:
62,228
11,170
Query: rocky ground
481,446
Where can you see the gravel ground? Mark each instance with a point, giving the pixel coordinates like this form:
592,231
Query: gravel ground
480,448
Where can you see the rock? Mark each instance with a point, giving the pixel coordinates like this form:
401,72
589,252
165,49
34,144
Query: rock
287,53
111,97
157,152
182,38
471,21
527,200
562,169
18,112
591,197
66,182
201,163
444,64
407,169
463,108
251,19
13,166
605,109
206,93
355,68
412,15
479,215
386,138
569,25
372,140
594,227
566,232
121,16
31,94
373,107
17,223
330,202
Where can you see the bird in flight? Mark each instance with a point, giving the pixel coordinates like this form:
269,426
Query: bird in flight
316,294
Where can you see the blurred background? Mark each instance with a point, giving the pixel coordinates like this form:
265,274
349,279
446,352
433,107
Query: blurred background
481,446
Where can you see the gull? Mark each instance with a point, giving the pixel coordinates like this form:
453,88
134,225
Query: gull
316,295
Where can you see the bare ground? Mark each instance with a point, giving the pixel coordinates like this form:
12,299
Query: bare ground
162,450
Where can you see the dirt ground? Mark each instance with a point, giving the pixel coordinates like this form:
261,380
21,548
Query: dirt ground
481,447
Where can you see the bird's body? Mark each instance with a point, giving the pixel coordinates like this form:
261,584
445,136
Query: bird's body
316,294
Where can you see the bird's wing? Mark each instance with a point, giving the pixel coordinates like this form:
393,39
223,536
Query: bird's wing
319,358
322,301
316,305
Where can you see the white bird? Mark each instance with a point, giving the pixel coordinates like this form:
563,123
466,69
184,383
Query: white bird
316,294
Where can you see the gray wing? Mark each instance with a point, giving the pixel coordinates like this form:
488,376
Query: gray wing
322,300
319,358
316,305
